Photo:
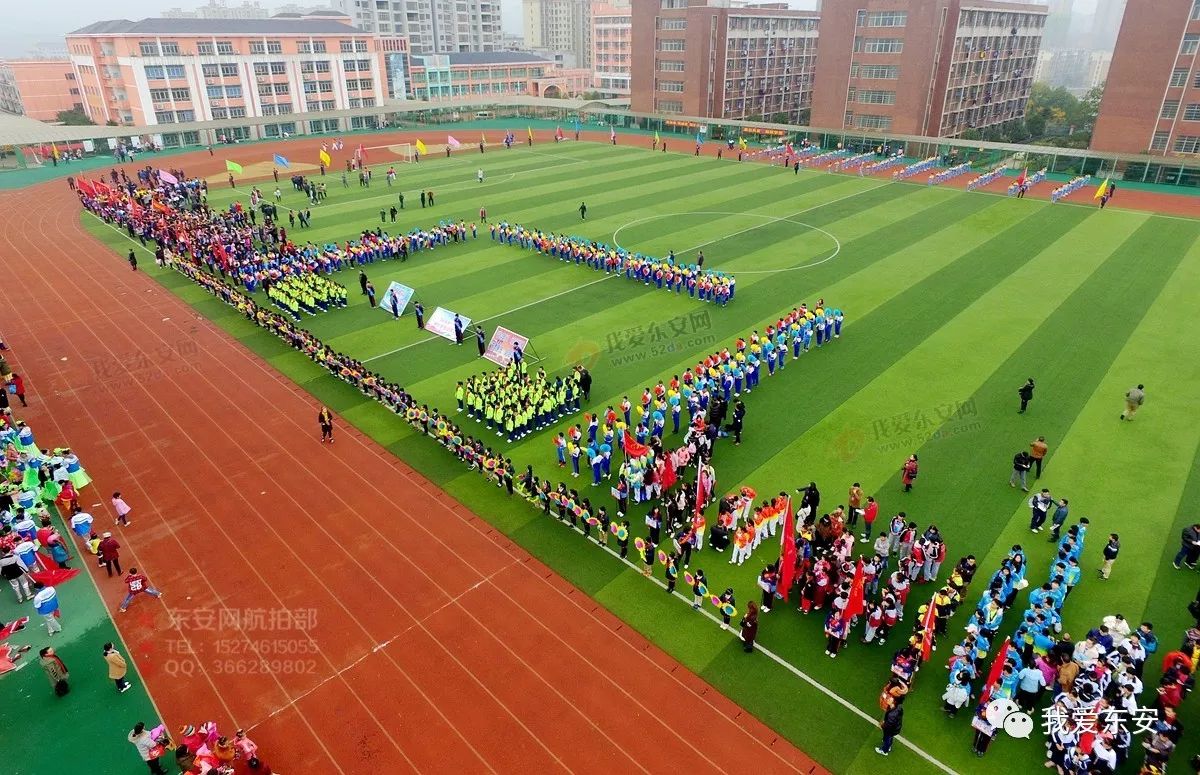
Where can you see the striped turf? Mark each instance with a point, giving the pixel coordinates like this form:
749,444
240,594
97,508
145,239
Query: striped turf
952,299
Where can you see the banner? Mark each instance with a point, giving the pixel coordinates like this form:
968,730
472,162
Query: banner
396,298
500,349
441,322
233,166
324,157
282,161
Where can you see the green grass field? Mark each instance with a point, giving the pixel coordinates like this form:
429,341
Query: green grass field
951,300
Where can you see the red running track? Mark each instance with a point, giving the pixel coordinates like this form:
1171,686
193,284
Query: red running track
426,640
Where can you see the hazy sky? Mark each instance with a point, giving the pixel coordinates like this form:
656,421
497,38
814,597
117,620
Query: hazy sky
26,24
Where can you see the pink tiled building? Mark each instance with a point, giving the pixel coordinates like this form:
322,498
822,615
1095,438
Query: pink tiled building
612,35
166,71
38,88
494,73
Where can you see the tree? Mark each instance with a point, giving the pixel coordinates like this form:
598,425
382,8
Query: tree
74,117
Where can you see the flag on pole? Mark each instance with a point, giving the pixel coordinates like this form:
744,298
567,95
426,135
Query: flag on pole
994,674
233,166
577,127
85,186
282,161
360,153
787,557
742,144
421,147
324,157
656,137
483,138
450,141
633,447
54,151
699,139
856,604
167,177
1023,177
529,131
927,631
612,133
558,133
1102,190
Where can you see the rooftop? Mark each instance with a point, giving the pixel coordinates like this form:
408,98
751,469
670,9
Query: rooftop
218,27
487,58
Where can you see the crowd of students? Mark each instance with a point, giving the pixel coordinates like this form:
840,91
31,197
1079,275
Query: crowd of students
668,273
514,402
307,293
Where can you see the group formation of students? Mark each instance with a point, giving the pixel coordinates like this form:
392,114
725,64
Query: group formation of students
307,293
664,273
514,402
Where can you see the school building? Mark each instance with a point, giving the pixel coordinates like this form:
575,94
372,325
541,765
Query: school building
166,71
38,88
932,67
494,73
1151,100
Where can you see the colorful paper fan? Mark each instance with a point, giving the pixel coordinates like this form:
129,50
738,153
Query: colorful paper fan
622,533
703,590
728,610
591,520
688,578
672,571
411,414
577,511
614,528
639,544
716,601
662,557
555,497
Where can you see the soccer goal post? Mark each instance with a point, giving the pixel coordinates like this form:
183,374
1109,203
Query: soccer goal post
402,152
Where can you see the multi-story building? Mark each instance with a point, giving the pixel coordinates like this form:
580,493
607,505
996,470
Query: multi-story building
499,73
1151,99
704,58
612,39
925,67
1076,70
559,25
432,26
39,88
220,9
165,71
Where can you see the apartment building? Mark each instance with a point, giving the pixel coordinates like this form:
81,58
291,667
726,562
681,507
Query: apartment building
166,71
1151,99
705,58
39,88
559,25
498,73
925,67
431,26
612,47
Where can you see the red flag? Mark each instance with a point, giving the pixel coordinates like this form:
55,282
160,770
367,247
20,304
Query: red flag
102,188
361,153
856,604
14,626
1021,177
927,631
52,578
703,489
787,558
85,186
994,674
559,133
634,448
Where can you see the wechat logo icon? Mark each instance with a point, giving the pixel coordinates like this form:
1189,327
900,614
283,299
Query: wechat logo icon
1007,715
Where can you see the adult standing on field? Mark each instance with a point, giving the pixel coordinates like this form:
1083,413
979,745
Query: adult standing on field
1134,398
117,668
1189,547
325,420
893,722
1022,462
108,551
1037,450
1111,550
583,211
909,473
1026,394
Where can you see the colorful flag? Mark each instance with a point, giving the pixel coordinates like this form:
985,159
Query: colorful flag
558,133
167,177
927,631
612,133
787,557
421,149
233,166
994,674
699,139
656,137
450,141
577,124
324,157
529,131
482,138
1102,190
856,604
1022,177
54,576
742,143
360,153
85,186
633,447
282,161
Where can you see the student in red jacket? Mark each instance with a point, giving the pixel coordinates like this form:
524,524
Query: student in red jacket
869,513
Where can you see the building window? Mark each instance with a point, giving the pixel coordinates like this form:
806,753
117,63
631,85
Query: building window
1170,109
868,121
1192,112
1191,42
346,46
148,49
1187,144
881,45
216,92
154,72
670,45
210,71
278,68
175,71
670,66
1179,77
169,48
887,18
1196,11
164,117
233,91
848,119
229,71
1159,143
672,86
219,113
225,47
669,106
258,47
261,68
185,115
160,95
205,48
281,88
877,72
181,95
672,24
876,97
237,112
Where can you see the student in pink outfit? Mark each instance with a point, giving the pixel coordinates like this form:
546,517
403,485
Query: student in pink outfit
122,508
